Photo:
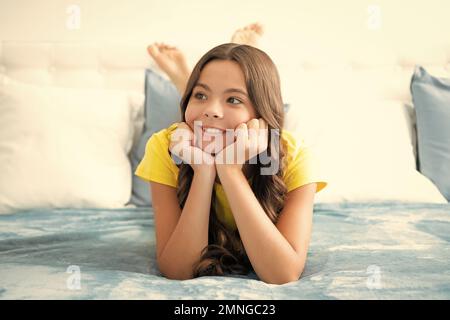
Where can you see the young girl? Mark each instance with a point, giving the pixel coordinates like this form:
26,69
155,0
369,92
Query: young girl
221,215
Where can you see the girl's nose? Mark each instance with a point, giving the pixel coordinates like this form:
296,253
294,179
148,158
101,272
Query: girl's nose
211,115
213,112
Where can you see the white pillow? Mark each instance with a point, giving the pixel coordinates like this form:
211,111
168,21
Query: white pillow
64,147
365,151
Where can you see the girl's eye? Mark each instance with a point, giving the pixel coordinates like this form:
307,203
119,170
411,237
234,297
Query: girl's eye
238,101
199,95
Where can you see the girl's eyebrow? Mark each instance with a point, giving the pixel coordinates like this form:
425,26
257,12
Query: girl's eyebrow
199,84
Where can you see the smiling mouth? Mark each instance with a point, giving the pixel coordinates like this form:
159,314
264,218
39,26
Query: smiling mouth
212,131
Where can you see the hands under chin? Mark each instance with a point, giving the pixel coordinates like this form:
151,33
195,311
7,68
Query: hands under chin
251,140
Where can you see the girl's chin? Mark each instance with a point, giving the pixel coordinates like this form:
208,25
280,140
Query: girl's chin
213,144
211,148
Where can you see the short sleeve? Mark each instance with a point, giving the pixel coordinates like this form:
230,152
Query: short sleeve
302,168
157,165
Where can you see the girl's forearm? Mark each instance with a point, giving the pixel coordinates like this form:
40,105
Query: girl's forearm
190,236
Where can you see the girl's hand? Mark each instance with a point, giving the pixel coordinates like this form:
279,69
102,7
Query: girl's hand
182,145
251,139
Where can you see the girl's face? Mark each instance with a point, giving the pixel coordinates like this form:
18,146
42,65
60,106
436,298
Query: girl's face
219,100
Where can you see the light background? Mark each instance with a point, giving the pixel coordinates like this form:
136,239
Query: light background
292,27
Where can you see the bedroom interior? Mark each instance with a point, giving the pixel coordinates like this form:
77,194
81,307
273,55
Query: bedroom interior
367,85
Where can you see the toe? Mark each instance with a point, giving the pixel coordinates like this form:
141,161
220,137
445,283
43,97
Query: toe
168,47
153,50
260,29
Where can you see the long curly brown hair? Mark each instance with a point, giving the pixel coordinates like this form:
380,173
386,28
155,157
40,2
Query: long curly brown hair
225,252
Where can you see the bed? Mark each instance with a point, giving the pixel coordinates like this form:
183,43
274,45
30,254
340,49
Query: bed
358,251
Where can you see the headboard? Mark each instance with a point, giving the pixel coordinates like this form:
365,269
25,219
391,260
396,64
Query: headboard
111,66
385,71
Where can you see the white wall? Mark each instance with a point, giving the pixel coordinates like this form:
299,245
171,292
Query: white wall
203,23
321,30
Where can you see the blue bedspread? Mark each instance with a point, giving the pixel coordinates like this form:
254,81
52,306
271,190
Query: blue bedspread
357,251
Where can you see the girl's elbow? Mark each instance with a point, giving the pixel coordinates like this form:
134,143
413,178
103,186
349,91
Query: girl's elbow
286,277
294,278
297,273
174,274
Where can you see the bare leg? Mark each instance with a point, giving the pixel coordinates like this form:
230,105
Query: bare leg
172,61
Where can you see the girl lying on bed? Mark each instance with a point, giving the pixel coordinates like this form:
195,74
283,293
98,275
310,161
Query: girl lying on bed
232,191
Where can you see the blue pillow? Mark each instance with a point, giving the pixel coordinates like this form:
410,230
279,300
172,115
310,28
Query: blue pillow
431,98
162,108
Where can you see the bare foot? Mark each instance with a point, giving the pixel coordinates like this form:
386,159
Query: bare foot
248,35
172,61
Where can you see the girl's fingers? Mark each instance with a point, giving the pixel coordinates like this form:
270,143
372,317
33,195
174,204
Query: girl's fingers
242,132
178,149
241,142
263,136
253,132
181,136
185,134
197,132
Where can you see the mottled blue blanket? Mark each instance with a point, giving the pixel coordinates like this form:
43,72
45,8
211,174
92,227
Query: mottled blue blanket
357,251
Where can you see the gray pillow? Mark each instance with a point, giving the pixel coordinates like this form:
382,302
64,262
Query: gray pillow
162,108
431,98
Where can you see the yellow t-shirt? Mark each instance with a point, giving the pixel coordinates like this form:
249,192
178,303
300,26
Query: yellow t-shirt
158,166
